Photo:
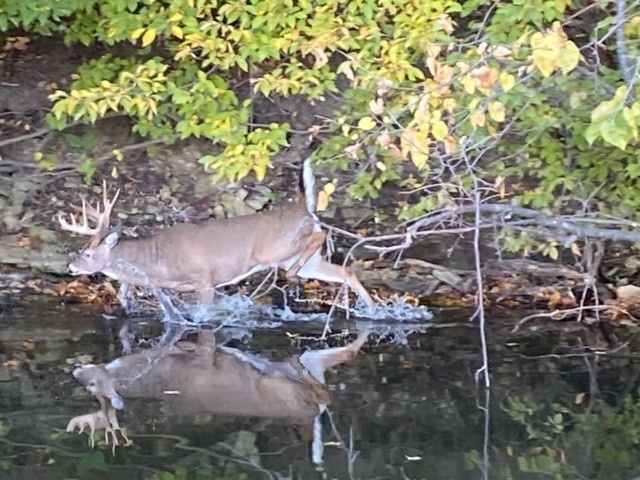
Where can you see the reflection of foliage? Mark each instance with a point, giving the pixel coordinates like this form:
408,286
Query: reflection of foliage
604,440
201,473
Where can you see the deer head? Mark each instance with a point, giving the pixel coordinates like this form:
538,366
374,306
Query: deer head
98,382
94,256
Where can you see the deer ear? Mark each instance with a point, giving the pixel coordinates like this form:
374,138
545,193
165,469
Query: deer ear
111,239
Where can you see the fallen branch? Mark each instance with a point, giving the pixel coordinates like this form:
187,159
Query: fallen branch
568,224
532,218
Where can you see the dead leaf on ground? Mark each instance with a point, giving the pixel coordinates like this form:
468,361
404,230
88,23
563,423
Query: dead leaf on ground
628,293
86,358
554,300
11,364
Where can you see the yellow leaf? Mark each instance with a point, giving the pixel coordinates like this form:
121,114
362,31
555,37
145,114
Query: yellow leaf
449,104
114,172
568,58
542,54
111,32
261,171
237,149
381,166
118,154
496,111
419,158
477,119
469,84
38,156
137,33
329,188
507,81
439,130
183,52
176,17
323,201
148,37
366,124
176,31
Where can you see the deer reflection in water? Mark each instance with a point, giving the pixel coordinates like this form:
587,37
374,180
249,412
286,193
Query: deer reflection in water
202,377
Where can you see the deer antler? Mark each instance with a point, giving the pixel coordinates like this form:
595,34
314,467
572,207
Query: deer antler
101,218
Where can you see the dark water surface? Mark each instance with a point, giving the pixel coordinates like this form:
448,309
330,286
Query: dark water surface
398,411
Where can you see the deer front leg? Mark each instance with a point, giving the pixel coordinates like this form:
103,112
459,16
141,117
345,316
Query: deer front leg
171,313
123,296
325,271
111,430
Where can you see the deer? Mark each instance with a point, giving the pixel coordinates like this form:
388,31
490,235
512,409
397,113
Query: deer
201,258
192,378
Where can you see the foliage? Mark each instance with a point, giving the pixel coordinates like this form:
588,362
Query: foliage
439,92
602,438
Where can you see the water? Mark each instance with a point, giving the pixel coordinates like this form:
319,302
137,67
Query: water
409,411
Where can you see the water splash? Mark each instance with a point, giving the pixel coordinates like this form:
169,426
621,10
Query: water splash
399,310
240,311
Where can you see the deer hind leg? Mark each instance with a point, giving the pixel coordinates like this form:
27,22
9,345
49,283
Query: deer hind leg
318,361
325,271
206,293
313,244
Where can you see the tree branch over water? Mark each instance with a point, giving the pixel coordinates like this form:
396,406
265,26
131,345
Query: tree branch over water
510,216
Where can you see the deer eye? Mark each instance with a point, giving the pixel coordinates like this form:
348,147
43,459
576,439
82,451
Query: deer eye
86,254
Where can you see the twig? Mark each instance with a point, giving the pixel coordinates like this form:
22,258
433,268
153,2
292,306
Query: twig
128,148
45,130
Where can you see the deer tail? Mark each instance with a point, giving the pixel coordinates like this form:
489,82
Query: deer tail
308,185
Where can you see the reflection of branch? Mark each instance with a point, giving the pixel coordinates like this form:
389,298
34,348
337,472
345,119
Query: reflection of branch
562,314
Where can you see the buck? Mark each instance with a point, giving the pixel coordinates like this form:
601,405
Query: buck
202,257
194,378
